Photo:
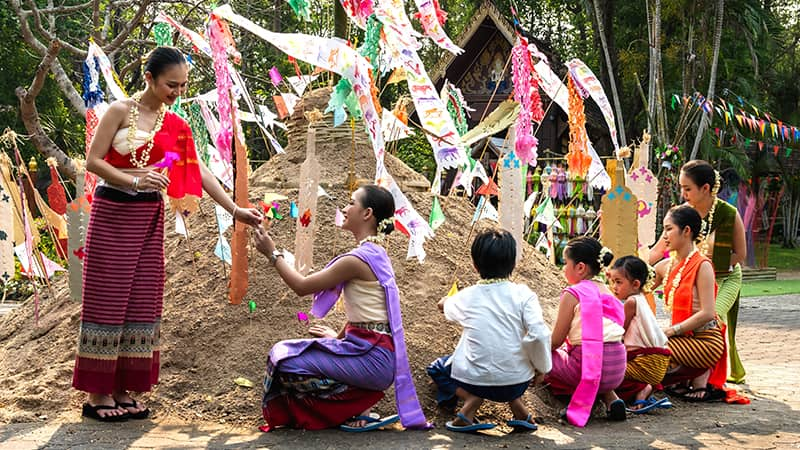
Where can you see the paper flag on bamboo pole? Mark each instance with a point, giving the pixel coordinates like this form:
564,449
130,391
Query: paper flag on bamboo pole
397,76
393,128
9,184
299,84
180,224
339,219
307,202
239,272
29,267
453,289
223,250
6,230
290,100
437,215
485,210
546,214
224,219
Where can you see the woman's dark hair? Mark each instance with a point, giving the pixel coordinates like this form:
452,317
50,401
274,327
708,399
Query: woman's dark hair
685,216
700,172
161,59
382,204
585,249
494,253
633,268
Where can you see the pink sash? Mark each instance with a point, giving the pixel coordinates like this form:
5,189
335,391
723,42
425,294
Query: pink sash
594,307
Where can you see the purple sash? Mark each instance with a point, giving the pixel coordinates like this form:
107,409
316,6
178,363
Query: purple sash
594,307
411,415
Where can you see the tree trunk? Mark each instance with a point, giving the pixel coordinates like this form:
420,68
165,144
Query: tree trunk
601,30
712,82
30,115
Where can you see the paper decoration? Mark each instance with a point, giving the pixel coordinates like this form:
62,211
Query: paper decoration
512,196
339,219
546,214
290,101
485,210
293,211
618,223
239,264
453,289
299,83
578,158
180,225
21,213
6,237
275,76
544,244
56,196
555,89
585,79
77,222
302,317
225,104
526,143
429,19
644,185
335,56
30,266
112,81
498,120
223,250
393,128
436,218
358,11
307,202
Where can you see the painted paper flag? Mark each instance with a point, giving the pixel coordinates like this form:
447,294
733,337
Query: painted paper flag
437,215
290,100
180,225
433,29
224,218
280,106
339,219
485,210
393,128
223,250
299,84
32,268
453,289
587,81
275,76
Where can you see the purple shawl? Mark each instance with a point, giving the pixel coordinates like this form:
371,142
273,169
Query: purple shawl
411,415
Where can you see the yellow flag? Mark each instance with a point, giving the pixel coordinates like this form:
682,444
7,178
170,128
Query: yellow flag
453,289
397,76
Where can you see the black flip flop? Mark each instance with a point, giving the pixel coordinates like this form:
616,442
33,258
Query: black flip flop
710,394
143,414
92,413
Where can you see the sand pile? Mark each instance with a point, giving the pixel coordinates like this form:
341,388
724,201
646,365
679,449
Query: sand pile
208,343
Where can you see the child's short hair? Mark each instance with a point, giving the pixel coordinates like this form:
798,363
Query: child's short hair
494,253
634,269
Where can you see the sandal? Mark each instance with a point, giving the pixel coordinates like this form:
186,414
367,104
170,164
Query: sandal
647,405
678,391
709,394
523,425
143,414
92,412
471,425
616,411
372,423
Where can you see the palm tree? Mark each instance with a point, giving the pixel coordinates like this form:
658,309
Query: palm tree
712,81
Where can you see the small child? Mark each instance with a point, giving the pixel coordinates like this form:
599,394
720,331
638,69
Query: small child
505,341
646,344
590,322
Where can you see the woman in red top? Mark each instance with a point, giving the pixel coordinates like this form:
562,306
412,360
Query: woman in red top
123,278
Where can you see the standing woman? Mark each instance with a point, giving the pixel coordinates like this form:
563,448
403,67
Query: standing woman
336,379
722,240
123,272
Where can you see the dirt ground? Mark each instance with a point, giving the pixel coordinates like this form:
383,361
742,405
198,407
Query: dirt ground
207,343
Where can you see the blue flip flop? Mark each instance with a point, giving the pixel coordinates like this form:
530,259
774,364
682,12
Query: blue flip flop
647,405
523,425
474,425
372,423
664,404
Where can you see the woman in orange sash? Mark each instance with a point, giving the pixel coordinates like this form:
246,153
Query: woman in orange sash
696,340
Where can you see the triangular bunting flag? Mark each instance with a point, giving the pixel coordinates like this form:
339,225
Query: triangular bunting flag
437,216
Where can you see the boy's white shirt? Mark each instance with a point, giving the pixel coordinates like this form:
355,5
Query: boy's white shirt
504,339
644,331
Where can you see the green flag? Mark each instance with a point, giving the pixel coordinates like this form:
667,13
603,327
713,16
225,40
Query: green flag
437,216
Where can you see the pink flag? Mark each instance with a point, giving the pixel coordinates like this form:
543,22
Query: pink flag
275,76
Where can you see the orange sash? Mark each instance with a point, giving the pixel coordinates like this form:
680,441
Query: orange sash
682,308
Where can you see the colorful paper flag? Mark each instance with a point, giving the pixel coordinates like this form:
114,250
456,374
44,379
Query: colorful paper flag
437,216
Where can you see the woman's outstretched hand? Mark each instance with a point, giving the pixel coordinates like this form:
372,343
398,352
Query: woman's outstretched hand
323,331
264,242
250,216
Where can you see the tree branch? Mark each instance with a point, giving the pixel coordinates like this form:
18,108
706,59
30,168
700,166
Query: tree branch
62,9
30,115
37,22
113,45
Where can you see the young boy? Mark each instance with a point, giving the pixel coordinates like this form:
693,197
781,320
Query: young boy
505,342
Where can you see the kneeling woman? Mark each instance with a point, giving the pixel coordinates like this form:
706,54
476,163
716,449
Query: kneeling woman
336,379
695,337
